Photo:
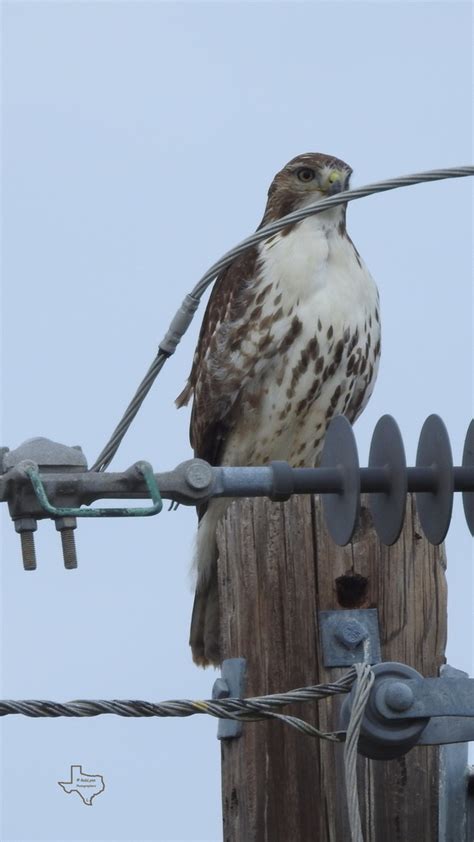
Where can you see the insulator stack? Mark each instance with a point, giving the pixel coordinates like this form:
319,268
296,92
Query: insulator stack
44,479
387,480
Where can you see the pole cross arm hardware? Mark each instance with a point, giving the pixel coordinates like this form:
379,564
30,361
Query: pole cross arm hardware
404,709
43,479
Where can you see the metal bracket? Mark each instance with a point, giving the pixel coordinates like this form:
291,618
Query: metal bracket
453,783
453,790
350,636
230,685
427,697
404,709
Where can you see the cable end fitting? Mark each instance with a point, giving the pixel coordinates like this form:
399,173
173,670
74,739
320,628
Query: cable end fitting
179,325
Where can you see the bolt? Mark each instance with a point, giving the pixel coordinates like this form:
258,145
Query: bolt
28,552
198,475
69,549
66,526
26,526
398,696
350,633
220,689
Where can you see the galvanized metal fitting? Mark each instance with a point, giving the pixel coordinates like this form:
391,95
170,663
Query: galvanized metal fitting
351,633
397,695
384,738
349,636
230,684
198,475
220,689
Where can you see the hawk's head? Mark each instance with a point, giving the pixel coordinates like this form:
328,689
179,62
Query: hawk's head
303,181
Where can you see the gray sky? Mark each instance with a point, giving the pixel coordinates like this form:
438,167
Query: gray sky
139,140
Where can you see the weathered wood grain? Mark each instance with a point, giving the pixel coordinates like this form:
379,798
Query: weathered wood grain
277,568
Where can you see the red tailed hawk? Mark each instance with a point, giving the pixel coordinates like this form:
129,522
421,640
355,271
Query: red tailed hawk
290,337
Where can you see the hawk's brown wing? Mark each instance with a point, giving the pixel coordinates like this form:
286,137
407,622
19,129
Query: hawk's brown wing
221,368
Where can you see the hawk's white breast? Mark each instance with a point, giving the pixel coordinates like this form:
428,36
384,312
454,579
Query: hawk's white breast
315,275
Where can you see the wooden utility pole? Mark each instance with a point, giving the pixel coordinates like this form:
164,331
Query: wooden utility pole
278,567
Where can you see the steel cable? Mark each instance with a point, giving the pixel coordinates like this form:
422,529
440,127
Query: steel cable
365,680
185,314
253,709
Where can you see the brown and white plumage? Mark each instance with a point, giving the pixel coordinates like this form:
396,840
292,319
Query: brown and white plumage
290,337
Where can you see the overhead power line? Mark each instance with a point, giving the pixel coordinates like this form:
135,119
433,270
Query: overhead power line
246,710
185,314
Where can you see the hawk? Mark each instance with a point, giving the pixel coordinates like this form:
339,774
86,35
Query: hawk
290,338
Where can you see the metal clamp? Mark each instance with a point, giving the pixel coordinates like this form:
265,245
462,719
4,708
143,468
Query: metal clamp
230,685
144,468
405,709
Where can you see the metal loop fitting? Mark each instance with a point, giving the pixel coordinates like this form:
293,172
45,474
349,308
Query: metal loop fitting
66,511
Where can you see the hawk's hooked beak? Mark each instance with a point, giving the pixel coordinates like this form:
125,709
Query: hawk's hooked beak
338,180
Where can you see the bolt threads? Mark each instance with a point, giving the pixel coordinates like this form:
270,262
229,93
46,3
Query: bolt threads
69,548
28,552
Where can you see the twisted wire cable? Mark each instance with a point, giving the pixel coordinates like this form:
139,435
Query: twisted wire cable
184,316
245,710
365,680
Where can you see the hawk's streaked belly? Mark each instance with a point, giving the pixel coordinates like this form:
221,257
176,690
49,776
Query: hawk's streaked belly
316,342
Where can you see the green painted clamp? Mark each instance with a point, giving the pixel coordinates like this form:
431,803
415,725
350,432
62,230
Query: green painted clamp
66,511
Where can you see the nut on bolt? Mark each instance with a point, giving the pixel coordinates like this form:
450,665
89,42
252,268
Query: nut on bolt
398,695
198,475
350,633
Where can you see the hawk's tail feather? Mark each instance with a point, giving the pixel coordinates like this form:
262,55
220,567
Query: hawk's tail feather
204,637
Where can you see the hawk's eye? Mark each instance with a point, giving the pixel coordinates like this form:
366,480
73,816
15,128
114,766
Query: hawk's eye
305,174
